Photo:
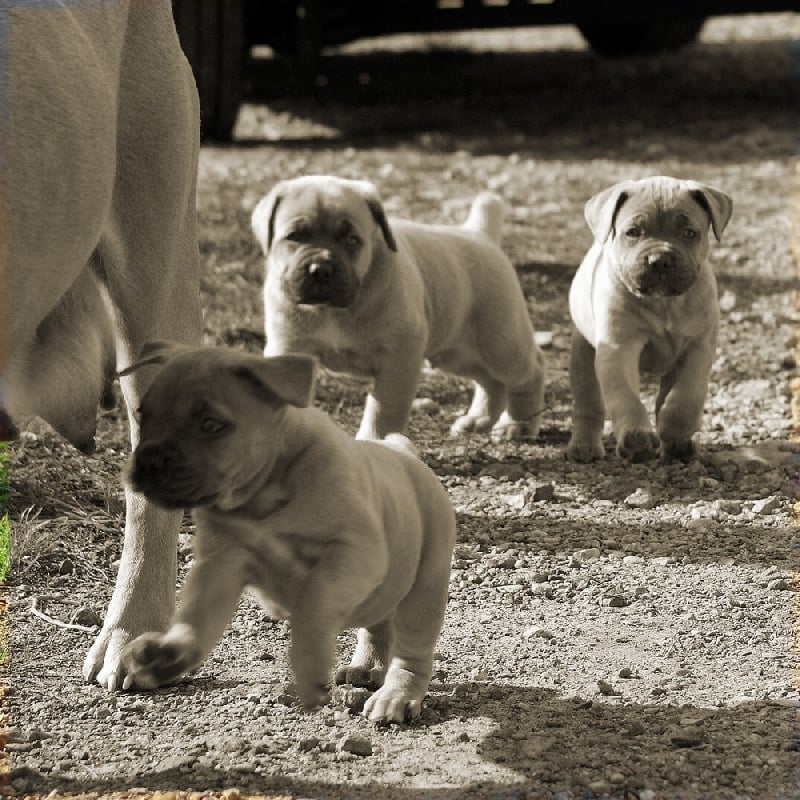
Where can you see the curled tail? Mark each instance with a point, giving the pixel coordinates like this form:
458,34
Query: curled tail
486,215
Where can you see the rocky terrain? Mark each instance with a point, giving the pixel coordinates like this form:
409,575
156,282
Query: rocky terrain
613,630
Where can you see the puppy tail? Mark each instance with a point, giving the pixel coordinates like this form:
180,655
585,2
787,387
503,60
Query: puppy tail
486,215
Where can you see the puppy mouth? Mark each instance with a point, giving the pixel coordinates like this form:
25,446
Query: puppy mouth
662,274
323,281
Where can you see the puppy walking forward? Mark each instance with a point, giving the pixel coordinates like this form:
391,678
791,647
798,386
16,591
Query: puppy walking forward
329,531
99,144
376,297
645,298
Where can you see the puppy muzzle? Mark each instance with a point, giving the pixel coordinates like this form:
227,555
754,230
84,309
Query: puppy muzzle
162,474
323,280
662,272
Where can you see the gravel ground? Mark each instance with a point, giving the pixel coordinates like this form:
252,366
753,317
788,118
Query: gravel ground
613,630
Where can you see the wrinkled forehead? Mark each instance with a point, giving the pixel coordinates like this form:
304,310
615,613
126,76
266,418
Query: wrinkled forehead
189,386
664,203
327,205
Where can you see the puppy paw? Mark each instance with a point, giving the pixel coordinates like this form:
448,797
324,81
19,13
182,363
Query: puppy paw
392,705
152,660
585,449
470,424
637,445
312,697
358,675
677,449
507,429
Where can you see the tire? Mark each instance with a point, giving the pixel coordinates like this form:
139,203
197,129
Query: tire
212,36
618,40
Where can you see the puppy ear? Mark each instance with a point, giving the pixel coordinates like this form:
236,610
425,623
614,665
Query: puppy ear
718,205
373,200
290,378
156,352
263,217
602,209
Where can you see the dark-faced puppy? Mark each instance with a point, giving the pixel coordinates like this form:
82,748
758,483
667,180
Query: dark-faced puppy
376,297
645,298
336,532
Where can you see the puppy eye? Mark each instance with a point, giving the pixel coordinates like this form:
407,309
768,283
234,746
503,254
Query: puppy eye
352,240
296,236
689,233
634,232
212,426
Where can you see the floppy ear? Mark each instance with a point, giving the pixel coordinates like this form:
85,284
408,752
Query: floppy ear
370,194
263,217
156,352
290,378
717,204
602,209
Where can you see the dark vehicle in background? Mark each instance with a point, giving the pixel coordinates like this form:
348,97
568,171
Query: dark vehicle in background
217,35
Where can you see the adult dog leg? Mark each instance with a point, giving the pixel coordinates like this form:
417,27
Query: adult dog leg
151,267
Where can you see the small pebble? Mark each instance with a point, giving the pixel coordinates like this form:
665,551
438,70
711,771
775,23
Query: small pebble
357,745
641,498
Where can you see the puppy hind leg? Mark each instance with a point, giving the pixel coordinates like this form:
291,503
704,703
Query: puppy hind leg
522,418
371,657
418,623
488,403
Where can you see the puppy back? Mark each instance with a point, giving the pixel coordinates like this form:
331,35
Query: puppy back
486,215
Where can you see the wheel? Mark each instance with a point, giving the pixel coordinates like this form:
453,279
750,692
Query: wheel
213,38
618,40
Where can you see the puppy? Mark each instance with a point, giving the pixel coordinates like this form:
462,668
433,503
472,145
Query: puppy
645,298
337,532
99,144
375,297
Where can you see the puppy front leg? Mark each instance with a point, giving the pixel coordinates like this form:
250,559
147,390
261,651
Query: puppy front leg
210,596
618,373
588,413
389,403
680,415
371,657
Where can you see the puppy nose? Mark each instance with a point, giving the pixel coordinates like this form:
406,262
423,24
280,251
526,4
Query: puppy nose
661,260
153,459
320,270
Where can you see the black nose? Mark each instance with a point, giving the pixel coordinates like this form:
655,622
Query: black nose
320,270
154,459
661,260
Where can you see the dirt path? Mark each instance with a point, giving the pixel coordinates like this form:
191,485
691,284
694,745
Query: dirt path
612,630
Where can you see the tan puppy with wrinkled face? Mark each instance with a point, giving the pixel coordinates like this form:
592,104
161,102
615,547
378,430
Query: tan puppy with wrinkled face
645,298
375,297
337,532
99,146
